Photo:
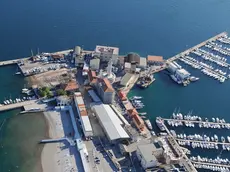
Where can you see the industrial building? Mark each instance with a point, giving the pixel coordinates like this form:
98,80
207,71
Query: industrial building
105,90
127,79
83,116
145,154
110,122
106,53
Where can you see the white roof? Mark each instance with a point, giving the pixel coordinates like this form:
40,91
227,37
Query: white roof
94,96
127,65
110,122
78,98
106,49
143,61
86,123
147,152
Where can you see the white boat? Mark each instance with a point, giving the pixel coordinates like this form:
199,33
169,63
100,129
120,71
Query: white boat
160,124
136,98
148,124
24,90
192,78
18,73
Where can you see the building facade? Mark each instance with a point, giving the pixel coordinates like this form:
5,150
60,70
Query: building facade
105,90
106,53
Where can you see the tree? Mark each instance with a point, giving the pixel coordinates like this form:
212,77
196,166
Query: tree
41,93
61,92
46,89
49,94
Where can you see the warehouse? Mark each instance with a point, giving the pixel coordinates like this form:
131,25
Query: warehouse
110,122
127,79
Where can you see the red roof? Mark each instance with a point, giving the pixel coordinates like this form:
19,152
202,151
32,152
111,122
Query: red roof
92,76
133,112
71,86
139,121
83,113
155,58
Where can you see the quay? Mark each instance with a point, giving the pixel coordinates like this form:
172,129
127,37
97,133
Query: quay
71,142
203,122
203,141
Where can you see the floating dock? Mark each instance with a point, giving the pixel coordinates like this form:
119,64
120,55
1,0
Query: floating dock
198,122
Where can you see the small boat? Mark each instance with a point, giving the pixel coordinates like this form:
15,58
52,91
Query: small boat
148,124
153,133
192,78
222,139
18,73
24,90
136,98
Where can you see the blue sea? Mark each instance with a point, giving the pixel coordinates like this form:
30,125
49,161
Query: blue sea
146,27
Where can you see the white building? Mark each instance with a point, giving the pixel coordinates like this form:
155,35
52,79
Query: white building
145,154
143,63
94,64
107,53
105,90
110,122
80,106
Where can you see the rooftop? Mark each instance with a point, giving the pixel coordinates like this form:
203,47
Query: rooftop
107,87
106,49
155,58
110,122
126,78
147,152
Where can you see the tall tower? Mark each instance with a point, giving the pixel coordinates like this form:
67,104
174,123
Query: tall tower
109,68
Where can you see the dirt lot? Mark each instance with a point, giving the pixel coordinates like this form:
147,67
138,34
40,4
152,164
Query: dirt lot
50,78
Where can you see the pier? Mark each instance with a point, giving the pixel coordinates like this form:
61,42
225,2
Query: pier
195,47
211,164
71,142
17,105
203,141
185,160
198,122
186,52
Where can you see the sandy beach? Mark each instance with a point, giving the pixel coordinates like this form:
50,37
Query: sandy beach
57,156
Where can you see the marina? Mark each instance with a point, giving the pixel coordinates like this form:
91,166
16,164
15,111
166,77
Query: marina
199,141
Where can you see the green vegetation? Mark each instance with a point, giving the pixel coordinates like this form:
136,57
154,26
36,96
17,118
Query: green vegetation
45,92
61,92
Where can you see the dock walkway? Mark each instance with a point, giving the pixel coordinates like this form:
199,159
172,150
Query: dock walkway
212,164
198,122
202,141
